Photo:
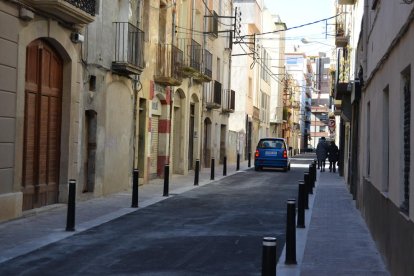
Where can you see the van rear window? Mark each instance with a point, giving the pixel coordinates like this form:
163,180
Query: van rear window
271,144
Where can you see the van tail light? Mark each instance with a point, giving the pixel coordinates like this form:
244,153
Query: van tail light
284,154
257,153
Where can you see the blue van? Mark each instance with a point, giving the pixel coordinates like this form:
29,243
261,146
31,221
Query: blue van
272,152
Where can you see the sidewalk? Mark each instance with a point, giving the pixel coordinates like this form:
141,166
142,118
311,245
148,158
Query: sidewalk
43,226
336,240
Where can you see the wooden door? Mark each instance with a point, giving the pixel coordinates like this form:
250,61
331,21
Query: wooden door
43,100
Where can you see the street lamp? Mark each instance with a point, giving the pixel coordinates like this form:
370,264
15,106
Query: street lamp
306,41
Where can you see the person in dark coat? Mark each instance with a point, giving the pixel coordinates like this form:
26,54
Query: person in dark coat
333,156
322,153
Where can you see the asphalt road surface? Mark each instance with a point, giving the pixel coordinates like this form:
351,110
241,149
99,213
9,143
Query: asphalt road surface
216,229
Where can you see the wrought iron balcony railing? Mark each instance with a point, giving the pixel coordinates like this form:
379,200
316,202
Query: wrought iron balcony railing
87,6
192,56
129,49
341,37
70,11
197,63
212,94
169,63
229,100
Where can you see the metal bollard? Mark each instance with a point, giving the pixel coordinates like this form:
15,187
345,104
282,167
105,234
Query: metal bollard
308,187
238,162
212,169
135,176
196,173
313,180
166,179
310,179
269,256
70,218
249,161
301,204
290,233
224,165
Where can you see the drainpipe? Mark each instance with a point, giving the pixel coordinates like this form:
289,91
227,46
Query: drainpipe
134,141
171,87
365,33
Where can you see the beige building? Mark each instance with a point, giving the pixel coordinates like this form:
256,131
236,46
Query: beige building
190,95
246,79
41,79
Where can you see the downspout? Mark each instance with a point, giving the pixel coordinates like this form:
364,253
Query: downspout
171,87
135,115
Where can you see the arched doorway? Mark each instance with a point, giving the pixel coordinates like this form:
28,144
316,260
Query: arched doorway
42,119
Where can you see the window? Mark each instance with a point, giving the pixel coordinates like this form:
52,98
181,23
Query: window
271,144
265,66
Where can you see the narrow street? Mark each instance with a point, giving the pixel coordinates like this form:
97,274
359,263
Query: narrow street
215,229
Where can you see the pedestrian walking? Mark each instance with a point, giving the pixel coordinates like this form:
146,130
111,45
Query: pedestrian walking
333,156
322,153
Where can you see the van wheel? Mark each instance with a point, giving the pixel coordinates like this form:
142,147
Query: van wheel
256,168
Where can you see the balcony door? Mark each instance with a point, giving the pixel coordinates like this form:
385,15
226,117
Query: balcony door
42,117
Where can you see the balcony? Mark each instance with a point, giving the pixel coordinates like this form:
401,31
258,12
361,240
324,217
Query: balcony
206,74
192,57
341,38
70,11
212,24
168,66
229,100
212,95
129,49
197,63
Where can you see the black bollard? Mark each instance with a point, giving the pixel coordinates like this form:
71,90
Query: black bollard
301,204
310,180
166,179
238,162
224,165
197,171
290,233
269,256
212,169
313,180
249,161
70,218
135,176
306,180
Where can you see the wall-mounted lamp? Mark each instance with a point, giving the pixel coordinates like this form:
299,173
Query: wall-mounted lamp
77,38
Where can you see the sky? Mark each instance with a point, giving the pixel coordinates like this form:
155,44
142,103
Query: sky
299,12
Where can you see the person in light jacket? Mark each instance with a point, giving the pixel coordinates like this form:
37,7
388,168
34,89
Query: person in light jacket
322,153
